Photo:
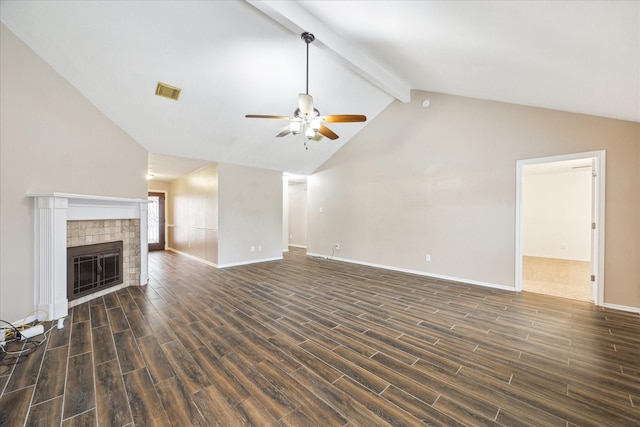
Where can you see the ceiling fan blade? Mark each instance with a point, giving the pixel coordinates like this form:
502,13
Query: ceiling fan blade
261,116
344,118
284,132
305,104
325,131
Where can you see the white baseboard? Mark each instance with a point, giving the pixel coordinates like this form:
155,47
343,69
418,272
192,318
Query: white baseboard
24,321
253,261
421,273
622,308
457,279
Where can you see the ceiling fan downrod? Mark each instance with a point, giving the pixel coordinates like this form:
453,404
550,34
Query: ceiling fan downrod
308,38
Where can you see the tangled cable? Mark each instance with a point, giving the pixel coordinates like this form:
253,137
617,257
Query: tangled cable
10,334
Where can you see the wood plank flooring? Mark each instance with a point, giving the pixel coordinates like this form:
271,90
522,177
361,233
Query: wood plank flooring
315,342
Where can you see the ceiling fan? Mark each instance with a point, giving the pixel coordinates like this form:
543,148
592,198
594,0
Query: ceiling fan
306,118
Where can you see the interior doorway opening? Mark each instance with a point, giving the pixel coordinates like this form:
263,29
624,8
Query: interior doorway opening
560,226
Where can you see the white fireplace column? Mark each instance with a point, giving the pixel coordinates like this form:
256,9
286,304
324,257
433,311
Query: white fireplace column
51,213
51,256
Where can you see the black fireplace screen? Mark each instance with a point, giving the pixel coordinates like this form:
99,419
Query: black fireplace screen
92,268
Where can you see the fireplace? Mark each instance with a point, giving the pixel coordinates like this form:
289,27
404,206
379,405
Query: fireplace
63,220
92,268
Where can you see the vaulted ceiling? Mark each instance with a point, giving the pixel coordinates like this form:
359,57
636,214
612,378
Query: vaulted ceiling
233,58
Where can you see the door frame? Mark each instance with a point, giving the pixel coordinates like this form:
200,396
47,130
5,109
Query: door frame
164,218
598,210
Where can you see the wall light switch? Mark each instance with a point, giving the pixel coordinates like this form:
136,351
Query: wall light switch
253,248
427,257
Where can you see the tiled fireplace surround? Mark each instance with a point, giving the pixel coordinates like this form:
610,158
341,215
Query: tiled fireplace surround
63,220
80,233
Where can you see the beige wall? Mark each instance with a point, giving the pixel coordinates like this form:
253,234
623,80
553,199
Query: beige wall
192,214
218,212
442,181
298,214
52,139
251,212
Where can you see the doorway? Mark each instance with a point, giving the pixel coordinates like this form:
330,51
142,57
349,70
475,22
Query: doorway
560,226
156,222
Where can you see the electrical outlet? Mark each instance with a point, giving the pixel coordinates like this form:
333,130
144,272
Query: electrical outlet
427,257
337,246
252,248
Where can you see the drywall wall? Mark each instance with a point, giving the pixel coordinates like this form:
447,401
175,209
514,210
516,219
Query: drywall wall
52,139
298,214
251,211
556,215
441,181
192,214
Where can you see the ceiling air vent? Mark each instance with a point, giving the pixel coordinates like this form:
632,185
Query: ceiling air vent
168,91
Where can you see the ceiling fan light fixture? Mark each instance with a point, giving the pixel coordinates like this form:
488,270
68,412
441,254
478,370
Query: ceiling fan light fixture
316,123
310,133
295,127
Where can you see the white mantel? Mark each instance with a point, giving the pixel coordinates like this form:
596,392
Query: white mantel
51,213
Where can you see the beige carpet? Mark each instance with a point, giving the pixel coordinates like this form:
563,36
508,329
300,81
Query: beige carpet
557,277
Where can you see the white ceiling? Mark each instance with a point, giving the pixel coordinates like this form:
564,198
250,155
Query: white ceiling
233,58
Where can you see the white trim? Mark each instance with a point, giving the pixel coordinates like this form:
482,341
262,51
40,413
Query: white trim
97,294
600,161
255,261
419,273
86,197
622,308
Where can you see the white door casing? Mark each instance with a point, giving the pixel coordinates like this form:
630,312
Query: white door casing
597,215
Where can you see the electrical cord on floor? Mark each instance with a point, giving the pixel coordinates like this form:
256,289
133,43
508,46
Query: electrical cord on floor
12,335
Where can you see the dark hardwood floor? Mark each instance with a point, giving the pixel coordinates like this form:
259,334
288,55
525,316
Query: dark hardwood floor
315,342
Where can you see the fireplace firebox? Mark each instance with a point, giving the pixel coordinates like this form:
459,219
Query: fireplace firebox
92,268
